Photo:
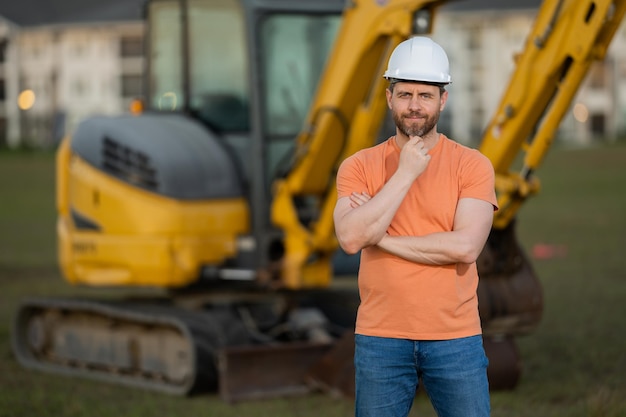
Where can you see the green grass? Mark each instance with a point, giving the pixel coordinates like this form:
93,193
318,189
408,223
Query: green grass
574,363
27,235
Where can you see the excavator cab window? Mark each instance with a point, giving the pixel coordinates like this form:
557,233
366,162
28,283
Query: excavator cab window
215,59
295,49
200,62
165,56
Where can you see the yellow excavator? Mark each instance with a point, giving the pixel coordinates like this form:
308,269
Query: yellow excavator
221,195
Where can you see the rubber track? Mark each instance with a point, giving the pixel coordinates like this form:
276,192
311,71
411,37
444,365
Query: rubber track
207,332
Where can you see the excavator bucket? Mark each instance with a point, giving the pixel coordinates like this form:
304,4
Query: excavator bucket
510,301
334,372
505,364
510,297
262,372
266,371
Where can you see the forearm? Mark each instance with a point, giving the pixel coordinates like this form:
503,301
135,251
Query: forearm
463,244
443,248
359,225
362,228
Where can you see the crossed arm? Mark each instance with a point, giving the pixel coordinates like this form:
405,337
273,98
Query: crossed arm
362,221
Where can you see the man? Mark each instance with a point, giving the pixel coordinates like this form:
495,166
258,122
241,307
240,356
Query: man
420,207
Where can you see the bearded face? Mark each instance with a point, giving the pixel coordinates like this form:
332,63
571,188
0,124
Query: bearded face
415,123
415,107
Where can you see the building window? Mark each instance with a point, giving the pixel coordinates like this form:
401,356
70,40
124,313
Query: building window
4,43
2,91
131,46
598,124
476,125
3,132
474,39
132,86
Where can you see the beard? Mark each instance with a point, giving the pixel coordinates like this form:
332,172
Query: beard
410,127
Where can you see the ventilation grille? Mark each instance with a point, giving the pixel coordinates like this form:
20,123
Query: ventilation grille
128,164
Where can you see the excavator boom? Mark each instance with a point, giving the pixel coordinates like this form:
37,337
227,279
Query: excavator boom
568,36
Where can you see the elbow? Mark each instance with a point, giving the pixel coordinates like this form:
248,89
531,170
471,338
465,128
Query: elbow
468,254
467,259
351,250
346,238
351,241
350,247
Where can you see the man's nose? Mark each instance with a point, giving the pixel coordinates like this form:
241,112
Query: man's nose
414,103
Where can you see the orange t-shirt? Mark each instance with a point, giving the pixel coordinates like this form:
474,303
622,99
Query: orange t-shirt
404,299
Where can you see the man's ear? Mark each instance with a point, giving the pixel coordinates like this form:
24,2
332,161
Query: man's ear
444,100
389,94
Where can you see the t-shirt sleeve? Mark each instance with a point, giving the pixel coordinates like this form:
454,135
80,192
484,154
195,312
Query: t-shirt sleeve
350,177
479,179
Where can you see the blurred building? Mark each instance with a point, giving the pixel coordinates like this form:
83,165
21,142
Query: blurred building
63,60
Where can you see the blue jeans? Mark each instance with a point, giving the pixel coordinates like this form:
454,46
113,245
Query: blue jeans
453,372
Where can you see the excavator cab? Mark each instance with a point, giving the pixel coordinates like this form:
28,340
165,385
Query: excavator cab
180,194
178,198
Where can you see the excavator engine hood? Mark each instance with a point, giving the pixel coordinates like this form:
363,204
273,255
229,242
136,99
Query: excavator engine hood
166,154
148,200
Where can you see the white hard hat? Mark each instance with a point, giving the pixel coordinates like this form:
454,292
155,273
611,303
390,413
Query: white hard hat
419,59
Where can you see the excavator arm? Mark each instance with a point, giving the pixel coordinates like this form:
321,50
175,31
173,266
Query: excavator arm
567,37
344,117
